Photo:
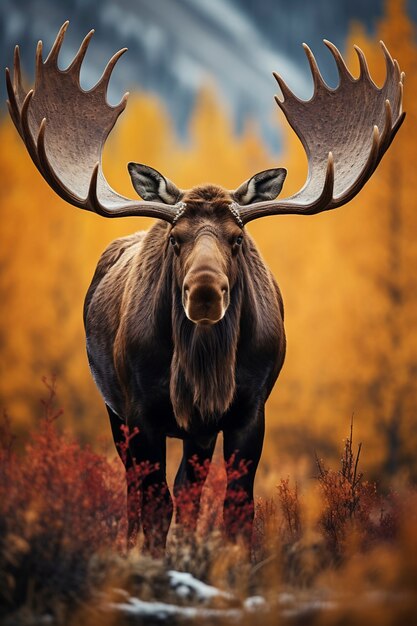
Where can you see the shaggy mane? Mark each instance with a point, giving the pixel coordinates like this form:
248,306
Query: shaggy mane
203,363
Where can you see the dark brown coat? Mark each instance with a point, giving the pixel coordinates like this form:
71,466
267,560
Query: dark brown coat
161,372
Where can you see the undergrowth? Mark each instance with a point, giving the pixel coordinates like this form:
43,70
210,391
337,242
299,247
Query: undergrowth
63,527
60,503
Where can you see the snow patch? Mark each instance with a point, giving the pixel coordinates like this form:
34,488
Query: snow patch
162,611
185,585
255,603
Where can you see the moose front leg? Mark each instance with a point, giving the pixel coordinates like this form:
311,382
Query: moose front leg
148,476
148,497
242,451
189,481
121,441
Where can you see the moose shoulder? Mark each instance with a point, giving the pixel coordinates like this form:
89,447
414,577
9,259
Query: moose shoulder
184,322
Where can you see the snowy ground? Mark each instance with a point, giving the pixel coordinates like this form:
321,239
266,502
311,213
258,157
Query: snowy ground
199,601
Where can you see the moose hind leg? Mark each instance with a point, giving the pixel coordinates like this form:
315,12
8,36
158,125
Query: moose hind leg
189,482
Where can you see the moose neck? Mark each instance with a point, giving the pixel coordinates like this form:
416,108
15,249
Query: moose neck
204,360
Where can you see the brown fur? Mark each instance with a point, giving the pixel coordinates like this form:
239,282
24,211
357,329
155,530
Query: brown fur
185,338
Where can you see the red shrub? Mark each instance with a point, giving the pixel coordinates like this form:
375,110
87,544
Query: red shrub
218,474
350,503
59,504
290,507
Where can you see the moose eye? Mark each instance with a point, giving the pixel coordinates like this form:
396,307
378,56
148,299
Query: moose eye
239,240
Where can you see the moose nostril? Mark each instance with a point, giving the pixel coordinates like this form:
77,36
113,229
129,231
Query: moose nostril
225,288
185,295
225,296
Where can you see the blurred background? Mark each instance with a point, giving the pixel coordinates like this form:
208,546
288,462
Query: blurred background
201,109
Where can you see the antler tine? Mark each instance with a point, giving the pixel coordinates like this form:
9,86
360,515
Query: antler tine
56,46
16,93
317,77
105,77
363,65
390,128
286,91
394,131
123,102
92,197
344,73
394,77
397,70
17,74
38,64
339,130
389,62
11,102
26,133
328,188
385,136
75,66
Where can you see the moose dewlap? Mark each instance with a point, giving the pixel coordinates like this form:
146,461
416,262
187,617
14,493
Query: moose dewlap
184,322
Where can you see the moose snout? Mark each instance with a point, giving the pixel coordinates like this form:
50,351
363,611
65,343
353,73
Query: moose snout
205,297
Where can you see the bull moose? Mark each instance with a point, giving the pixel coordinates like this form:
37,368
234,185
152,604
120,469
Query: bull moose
184,322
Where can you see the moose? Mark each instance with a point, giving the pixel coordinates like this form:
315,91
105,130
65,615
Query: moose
184,322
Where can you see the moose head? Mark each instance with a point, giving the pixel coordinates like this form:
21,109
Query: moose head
208,237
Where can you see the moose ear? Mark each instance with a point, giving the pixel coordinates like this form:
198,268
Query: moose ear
151,185
265,185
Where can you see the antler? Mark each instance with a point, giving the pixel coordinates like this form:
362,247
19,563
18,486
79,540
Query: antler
344,131
64,129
